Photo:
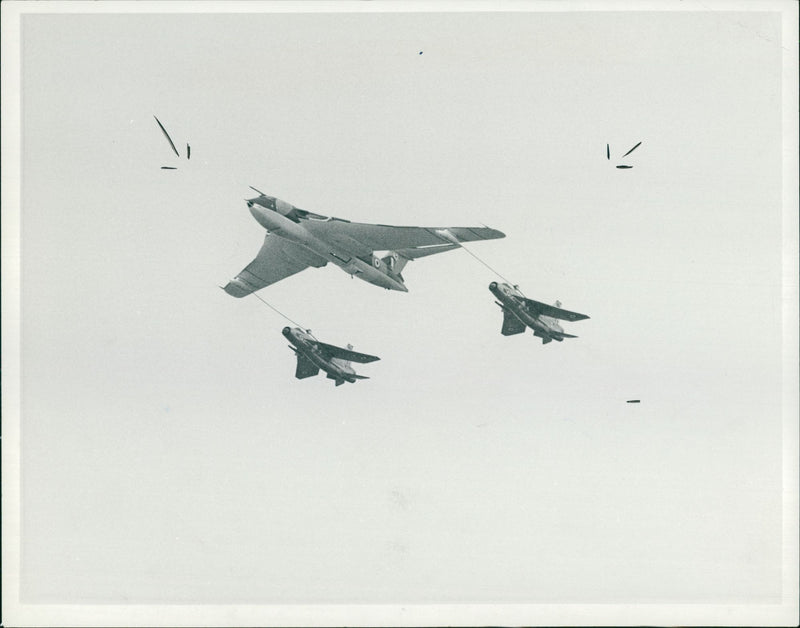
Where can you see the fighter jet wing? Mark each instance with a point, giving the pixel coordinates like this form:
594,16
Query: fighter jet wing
511,324
277,259
305,367
554,312
346,354
363,239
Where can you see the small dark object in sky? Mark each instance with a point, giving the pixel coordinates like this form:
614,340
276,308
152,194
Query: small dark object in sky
634,401
608,152
632,149
188,151
168,168
420,52
624,167
169,139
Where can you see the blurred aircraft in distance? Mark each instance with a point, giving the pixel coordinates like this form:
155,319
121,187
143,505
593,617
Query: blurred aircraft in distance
622,167
172,145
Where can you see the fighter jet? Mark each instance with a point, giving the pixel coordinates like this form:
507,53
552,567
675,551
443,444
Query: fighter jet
520,312
313,355
297,239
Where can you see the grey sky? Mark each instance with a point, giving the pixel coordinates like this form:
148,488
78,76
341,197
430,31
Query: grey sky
168,453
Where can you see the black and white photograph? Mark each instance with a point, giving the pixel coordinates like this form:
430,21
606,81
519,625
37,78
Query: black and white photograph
400,314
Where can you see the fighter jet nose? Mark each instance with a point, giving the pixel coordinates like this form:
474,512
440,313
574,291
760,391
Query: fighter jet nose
493,285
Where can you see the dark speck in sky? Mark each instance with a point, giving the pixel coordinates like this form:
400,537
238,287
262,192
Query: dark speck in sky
632,149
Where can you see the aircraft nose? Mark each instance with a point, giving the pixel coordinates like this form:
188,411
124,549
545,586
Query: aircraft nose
493,285
259,213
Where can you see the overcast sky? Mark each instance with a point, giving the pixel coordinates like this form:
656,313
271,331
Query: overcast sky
168,452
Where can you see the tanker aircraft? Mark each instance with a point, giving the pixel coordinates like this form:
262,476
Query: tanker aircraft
297,239
520,312
313,355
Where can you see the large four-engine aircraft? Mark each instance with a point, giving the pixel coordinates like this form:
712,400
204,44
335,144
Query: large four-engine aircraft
520,312
313,355
297,239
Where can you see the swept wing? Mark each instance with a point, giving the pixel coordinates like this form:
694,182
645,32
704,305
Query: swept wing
363,239
511,324
305,367
346,354
539,308
277,259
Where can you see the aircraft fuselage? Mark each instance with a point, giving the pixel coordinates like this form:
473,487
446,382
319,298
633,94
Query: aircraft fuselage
281,226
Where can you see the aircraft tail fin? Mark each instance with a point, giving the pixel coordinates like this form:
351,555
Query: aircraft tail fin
395,263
